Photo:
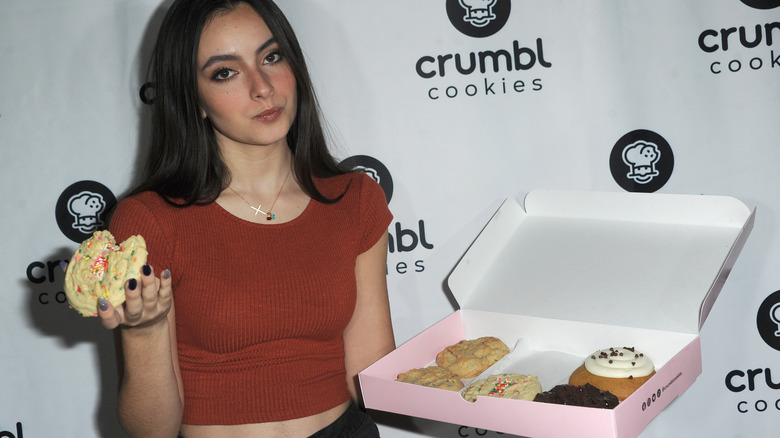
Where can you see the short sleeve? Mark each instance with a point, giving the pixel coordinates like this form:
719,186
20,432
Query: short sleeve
375,216
134,216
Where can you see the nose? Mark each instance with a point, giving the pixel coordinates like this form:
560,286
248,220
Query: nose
261,87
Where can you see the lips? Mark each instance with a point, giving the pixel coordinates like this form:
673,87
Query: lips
269,115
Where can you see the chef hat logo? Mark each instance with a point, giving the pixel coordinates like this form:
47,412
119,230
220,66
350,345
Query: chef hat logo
478,18
774,315
86,208
370,171
641,157
641,161
82,208
479,13
373,168
768,320
762,4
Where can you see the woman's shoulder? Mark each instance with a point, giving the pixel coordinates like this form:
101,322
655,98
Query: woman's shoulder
150,200
347,184
144,206
151,216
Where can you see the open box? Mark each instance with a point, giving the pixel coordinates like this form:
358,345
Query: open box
574,273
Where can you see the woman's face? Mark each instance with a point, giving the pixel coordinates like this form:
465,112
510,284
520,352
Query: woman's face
245,85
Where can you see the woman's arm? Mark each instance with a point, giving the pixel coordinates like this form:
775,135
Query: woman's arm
150,388
369,335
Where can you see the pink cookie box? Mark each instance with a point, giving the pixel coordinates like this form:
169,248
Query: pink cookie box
573,273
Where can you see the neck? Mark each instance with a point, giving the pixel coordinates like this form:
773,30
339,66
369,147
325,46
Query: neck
255,168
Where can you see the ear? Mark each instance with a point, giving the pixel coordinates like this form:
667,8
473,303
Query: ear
203,114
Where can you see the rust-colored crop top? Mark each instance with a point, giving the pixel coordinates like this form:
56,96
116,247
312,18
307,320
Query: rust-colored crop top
260,309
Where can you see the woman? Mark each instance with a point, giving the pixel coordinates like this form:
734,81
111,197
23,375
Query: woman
272,294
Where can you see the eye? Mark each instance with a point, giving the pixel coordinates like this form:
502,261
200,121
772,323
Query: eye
273,57
222,74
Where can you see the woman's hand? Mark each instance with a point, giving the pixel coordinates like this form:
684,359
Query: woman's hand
146,303
151,394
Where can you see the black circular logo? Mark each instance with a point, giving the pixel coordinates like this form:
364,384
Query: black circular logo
82,208
479,18
147,93
768,320
762,4
641,161
373,168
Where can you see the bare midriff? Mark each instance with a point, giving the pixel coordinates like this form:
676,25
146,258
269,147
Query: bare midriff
297,428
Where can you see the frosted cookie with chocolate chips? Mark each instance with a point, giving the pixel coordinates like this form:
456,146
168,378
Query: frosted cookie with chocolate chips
433,377
469,358
100,267
620,371
514,386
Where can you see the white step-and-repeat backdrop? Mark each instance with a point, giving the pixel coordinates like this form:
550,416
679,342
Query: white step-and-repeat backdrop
454,105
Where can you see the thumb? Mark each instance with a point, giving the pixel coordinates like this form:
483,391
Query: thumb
109,316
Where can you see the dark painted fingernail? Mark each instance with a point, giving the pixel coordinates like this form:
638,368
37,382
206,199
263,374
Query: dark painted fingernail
166,274
103,304
147,270
132,284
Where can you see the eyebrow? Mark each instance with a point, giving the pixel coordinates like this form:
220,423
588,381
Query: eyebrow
230,57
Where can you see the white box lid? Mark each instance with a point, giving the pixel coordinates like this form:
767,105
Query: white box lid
640,260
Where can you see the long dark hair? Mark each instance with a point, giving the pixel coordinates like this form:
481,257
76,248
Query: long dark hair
184,164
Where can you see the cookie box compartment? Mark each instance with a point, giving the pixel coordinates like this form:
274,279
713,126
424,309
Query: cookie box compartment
569,274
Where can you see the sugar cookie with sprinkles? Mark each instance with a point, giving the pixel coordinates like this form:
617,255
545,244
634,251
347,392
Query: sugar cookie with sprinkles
514,386
100,267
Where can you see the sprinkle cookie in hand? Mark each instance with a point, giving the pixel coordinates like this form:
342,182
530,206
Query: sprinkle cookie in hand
100,267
